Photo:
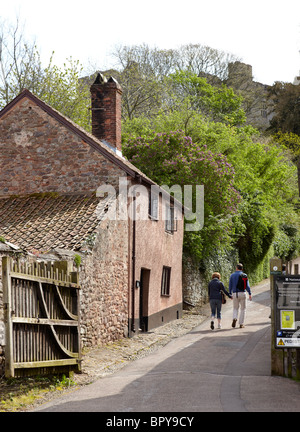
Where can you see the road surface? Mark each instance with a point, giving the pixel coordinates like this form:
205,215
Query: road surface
226,370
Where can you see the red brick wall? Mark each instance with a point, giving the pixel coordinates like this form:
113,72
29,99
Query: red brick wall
39,154
106,112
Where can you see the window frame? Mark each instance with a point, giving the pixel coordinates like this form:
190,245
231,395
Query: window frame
170,221
153,209
166,281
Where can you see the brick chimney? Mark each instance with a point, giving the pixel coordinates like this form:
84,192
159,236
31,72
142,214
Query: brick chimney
106,97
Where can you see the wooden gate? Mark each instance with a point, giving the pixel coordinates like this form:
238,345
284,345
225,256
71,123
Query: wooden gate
41,309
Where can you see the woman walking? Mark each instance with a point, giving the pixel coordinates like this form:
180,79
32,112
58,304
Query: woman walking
215,289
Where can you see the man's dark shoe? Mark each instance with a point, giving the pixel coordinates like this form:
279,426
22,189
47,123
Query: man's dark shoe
212,325
234,323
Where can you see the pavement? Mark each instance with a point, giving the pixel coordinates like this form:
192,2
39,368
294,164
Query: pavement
190,370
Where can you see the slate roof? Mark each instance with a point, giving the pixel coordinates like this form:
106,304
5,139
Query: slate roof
42,223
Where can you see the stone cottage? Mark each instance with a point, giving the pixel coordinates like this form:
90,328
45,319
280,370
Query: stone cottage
64,191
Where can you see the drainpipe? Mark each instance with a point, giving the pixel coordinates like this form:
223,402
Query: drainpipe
133,263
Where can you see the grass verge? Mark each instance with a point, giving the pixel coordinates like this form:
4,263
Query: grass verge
18,393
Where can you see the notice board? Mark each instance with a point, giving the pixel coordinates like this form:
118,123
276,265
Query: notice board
287,311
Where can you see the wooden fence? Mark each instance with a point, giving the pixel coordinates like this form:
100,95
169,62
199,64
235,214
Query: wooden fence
42,319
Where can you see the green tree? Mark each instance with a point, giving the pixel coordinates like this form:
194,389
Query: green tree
285,124
286,107
287,241
20,63
63,90
291,143
143,74
260,171
219,104
173,159
268,184
21,68
203,61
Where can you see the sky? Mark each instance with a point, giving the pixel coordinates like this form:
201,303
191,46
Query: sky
263,33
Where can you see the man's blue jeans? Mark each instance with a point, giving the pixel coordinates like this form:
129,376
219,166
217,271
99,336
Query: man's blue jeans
215,305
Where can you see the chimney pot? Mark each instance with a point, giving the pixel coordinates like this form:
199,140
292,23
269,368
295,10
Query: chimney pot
100,79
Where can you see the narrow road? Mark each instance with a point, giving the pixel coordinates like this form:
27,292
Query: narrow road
224,370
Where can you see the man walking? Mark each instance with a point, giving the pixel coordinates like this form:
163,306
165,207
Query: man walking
238,285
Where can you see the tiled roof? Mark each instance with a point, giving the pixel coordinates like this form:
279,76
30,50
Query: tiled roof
42,223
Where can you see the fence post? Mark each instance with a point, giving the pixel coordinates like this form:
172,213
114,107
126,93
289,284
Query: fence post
6,281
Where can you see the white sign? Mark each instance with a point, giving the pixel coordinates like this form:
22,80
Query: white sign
288,342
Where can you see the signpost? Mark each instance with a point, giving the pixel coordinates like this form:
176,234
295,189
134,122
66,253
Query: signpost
287,312
285,294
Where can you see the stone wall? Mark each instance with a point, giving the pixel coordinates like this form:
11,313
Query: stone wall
40,154
104,282
194,286
196,276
